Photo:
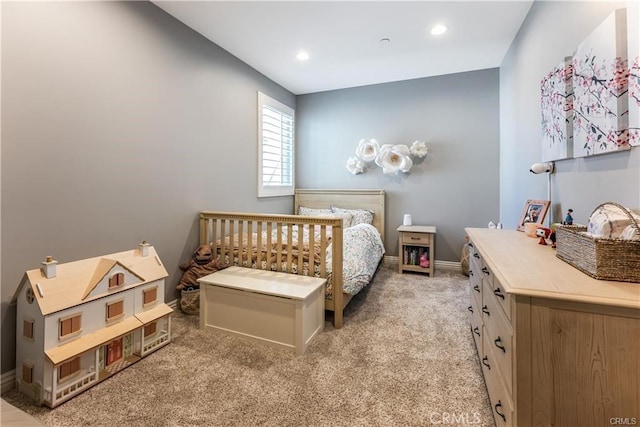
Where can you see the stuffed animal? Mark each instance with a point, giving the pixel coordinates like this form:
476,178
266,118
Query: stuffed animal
201,264
424,261
544,234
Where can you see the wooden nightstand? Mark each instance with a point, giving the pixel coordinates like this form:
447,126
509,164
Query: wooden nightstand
413,242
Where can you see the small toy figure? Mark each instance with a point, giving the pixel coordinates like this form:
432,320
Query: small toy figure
200,265
568,220
543,233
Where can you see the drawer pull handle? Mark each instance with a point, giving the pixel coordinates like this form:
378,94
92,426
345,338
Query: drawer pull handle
499,405
470,272
415,238
498,343
470,309
470,245
476,256
476,331
476,288
485,310
486,271
497,292
485,362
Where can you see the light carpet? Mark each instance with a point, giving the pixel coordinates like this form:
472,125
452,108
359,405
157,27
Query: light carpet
405,357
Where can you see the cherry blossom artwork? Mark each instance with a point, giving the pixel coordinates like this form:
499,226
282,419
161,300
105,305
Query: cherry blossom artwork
633,22
556,99
600,84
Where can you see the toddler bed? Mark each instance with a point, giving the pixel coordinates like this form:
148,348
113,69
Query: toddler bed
315,243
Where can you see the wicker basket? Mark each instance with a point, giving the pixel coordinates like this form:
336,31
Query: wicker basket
604,259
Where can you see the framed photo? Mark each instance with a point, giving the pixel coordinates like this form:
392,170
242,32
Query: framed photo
534,211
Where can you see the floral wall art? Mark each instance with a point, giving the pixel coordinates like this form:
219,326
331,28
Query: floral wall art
556,98
393,159
600,82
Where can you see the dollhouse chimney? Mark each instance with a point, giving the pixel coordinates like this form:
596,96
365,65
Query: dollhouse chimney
50,268
144,248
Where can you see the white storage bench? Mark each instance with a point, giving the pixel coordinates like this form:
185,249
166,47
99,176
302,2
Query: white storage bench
280,309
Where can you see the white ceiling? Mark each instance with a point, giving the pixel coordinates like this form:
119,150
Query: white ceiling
343,38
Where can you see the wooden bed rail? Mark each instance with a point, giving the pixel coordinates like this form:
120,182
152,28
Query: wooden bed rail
215,226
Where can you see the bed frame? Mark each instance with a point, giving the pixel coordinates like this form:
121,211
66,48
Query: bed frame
214,225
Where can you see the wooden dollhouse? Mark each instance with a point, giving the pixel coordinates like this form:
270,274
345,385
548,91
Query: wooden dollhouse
78,323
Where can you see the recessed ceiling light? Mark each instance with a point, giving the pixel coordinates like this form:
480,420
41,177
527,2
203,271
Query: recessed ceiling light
385,40
438,29
302,55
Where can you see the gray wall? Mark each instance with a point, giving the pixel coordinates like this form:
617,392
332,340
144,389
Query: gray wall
118,124
552,31
456,186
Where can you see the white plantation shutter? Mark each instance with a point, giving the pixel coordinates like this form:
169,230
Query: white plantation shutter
276,127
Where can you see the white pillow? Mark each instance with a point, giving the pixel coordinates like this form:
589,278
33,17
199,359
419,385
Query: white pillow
303,210
347,218
360,216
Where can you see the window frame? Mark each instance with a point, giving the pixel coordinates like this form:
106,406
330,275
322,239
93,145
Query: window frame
150,329
114,304
146,292
27,372
275,190
31,323
116,280
73,366
73,332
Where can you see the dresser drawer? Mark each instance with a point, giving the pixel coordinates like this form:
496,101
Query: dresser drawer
486,273
476,328
476,286
415,238
499,396
474,255
498,335
504,299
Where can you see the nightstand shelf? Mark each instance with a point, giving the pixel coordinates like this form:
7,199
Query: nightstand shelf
413,242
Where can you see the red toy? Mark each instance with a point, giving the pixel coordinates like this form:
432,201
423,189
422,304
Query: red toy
544,234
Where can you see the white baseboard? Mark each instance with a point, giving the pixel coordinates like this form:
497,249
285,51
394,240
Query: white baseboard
173,304
445,265
8,381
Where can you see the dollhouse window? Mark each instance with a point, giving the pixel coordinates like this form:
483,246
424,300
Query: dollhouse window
70,325
29,295
149,296
115,310
27,329
68,368
150,329
116,280
27,372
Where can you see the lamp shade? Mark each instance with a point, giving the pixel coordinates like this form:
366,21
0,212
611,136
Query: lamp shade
538,168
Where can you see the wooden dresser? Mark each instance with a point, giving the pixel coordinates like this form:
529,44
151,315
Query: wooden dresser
557,347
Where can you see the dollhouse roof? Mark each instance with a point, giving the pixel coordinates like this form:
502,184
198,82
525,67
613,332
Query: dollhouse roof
75,281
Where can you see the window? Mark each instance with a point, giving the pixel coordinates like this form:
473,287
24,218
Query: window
27,372
149,296
150,329
116,280
68,368
27,329
70,325
275,148
115,310
30,296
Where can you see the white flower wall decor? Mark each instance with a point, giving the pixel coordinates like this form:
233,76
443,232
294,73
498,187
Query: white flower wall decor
391,158
355,166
